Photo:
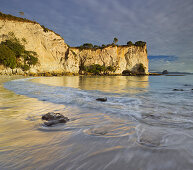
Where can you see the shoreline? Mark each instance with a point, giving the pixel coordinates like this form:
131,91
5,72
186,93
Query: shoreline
55,74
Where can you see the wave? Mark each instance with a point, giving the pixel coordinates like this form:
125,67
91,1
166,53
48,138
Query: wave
116,103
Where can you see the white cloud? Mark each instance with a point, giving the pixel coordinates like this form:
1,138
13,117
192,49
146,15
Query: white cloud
165,25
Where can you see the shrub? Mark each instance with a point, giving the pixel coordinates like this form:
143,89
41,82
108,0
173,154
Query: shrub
44,28
140,43
111,68
15,46
25,67
88,45
7,56
96,46
29,58
115,40
129,43
126,73
141,69
13,54
98,69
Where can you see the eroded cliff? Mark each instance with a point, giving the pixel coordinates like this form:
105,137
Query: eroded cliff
120,57
55,56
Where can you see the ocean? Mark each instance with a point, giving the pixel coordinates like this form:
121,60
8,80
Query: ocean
144,124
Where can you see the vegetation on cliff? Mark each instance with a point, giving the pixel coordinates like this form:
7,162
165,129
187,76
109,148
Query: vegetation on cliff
139,70
97,69
14,18
93,47
19,19
13,54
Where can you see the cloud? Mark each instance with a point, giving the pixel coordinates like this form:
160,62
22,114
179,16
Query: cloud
165,25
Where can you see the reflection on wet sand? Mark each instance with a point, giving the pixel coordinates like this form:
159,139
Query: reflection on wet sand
116,84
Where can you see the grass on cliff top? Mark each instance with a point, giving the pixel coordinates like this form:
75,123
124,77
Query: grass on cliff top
19,19
90,46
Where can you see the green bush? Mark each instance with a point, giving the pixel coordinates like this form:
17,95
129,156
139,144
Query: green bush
140,43
141,69
29,58
7,56
115,40
111,68
15,46
88,45
126,73
98,69
129,43
25,67
13,54
44,28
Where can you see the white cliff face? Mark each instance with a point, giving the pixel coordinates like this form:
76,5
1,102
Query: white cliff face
54,55
49,46
122,57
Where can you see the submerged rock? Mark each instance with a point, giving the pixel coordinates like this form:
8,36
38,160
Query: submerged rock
102,99
54,118
178,90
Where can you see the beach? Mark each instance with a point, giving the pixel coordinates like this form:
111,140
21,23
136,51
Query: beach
144,124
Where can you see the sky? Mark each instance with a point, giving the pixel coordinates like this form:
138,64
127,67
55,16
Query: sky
166,25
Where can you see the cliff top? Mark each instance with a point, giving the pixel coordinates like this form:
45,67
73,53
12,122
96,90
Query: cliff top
14,18
19,19
86,46
89,46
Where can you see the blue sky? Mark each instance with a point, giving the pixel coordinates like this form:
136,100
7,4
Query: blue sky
166,25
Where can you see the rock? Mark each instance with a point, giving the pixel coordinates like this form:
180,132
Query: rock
102,99
54,118
165,72
54,55
126,73
178,90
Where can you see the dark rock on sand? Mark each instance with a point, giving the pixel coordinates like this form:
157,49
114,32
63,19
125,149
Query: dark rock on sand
54,118
102,99
178,90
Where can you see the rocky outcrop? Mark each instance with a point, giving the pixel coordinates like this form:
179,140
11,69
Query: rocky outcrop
50,47
55,56
120,57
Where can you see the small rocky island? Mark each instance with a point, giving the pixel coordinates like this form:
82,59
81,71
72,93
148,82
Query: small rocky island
40,51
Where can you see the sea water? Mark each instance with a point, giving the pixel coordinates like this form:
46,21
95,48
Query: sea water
144,124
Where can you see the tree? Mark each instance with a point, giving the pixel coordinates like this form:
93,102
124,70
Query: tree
140,43
7,56
13,54
88,45
129,43
141,69
15,46
115,40
21,13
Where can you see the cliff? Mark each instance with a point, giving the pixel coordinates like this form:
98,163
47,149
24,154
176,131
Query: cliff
55,56
120,57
